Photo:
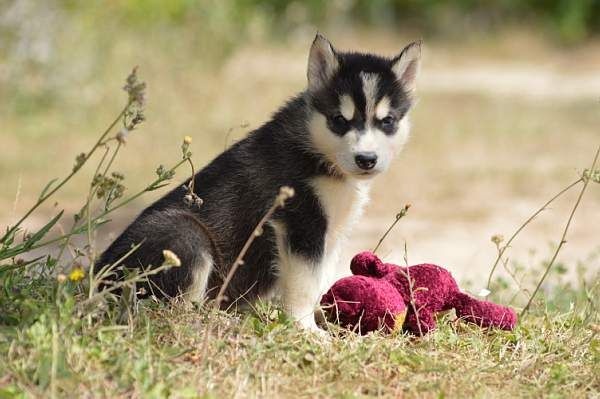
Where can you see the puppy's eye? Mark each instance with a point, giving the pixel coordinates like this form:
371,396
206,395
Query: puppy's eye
339,120
388,121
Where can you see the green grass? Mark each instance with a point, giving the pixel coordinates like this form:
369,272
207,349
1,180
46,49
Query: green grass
160,353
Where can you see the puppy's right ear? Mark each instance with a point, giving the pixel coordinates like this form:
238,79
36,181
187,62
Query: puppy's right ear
322,63
406,66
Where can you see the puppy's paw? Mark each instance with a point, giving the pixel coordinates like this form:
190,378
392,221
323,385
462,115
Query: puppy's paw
311,327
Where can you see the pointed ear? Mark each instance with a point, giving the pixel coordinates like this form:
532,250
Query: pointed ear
406,66
322,63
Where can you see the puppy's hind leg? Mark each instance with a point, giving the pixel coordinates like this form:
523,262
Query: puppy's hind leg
178,231
200,273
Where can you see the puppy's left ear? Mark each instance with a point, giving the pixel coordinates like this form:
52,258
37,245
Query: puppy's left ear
406,66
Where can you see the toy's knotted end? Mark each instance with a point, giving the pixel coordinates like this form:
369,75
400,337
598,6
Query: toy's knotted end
368,264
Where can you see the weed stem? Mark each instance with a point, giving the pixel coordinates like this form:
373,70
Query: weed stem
87,156
399,216
563,240
529,220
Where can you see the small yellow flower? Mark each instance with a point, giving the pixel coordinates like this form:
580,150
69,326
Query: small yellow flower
77,274
171,258
187,140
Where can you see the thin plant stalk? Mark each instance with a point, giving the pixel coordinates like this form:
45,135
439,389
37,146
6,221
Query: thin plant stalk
116,286
284,194
76,169
563,240
98,218
529,220
399,216
239,260
92,191
411,289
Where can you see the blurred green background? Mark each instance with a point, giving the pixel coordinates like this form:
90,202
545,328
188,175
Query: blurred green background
508,108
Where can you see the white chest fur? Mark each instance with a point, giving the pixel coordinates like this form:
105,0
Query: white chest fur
301,283
343,202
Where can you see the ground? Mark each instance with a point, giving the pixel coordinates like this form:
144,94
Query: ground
262,355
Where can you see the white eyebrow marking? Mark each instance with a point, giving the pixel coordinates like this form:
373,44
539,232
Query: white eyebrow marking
383,108
370,83
347,107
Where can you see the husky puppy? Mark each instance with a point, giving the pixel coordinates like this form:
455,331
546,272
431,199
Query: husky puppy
327,143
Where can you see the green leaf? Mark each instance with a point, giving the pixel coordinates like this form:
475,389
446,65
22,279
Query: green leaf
14,266
24,247
152,188
45,190
43,231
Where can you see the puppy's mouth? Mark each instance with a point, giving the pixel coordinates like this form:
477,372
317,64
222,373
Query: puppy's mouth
366,174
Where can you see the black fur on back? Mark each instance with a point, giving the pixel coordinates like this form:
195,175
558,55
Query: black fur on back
239,186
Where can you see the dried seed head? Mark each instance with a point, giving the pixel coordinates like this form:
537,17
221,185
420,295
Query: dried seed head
285,193
185,147
171,258
497,239
403,212
79,161
135,89
61,278
192,199
593,175
122,135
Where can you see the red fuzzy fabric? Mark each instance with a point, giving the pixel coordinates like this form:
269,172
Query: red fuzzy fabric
378,291
484,313
364,304
433,290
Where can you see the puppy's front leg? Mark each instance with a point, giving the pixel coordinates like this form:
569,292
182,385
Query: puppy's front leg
301,250
300,284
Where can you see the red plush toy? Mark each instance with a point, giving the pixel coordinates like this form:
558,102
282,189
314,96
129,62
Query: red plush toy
378,296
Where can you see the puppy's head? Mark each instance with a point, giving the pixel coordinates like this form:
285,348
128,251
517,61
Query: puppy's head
360,104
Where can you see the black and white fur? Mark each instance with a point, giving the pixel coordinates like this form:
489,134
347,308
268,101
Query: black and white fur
326,143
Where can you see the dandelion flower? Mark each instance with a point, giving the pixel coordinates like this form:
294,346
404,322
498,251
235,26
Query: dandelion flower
77,274
187,140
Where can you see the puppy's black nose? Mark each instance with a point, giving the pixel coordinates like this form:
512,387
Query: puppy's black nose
366,160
